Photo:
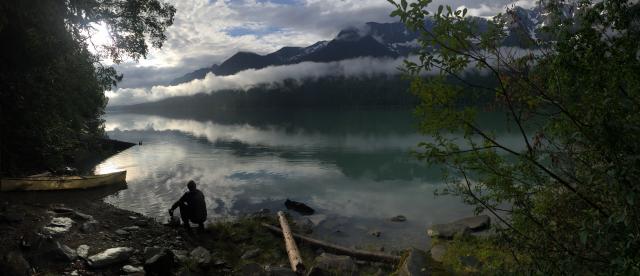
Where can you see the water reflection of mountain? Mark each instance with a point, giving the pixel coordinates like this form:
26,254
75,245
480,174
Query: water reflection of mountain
355,163
378,149
374,120
362,143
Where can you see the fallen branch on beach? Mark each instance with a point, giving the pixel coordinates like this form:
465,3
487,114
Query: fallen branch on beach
358,254
292,249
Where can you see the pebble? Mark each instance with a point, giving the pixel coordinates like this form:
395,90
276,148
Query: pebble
131,228
83,251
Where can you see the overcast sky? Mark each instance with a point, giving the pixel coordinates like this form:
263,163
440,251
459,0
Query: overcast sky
206,32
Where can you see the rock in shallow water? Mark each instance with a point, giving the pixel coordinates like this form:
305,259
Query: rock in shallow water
448,230
399,218
475,223
299,207
414,264
110,256
459,227
305,225
344,265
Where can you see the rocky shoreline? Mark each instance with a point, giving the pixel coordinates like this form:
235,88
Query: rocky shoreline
75,233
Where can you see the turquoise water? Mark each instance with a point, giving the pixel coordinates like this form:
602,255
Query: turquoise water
353,167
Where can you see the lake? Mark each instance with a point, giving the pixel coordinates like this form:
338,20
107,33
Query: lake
353,167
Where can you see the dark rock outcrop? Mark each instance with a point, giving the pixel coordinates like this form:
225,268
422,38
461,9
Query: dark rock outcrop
414,264
299,207
160,264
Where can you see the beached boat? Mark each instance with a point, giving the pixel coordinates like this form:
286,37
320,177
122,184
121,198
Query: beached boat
43,183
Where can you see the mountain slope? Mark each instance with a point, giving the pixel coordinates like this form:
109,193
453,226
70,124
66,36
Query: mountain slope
371,40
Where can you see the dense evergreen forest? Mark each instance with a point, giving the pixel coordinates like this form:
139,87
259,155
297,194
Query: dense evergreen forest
326,92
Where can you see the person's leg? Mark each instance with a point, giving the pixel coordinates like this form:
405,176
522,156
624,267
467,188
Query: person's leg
184,216
201,227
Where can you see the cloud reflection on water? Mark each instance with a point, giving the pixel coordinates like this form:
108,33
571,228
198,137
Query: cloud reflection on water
366,177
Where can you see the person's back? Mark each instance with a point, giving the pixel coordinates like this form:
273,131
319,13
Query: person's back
193,207
197,206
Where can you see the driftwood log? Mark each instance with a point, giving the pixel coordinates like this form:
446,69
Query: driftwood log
358,254
290,243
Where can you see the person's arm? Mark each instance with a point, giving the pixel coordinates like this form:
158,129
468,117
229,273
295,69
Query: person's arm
175,205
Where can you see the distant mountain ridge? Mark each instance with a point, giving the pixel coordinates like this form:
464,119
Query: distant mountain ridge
370,40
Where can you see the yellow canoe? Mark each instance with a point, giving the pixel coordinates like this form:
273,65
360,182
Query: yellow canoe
43,183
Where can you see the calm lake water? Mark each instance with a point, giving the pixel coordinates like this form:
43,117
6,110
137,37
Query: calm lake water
354,167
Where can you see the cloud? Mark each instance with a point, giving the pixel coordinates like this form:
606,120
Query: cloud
206,32
246,79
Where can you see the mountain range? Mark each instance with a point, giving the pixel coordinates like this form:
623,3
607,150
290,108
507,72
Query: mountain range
370,40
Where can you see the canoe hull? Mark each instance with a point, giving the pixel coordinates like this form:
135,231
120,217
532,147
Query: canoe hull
45,183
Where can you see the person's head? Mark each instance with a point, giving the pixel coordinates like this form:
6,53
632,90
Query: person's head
191,185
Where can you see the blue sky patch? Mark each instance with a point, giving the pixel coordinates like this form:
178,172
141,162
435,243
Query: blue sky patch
240,31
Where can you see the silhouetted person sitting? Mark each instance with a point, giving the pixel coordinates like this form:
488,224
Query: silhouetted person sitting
192,207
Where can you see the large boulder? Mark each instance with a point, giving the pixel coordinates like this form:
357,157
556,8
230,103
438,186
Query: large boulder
438,251
414,264
448,230
110,256
342,265
160,264
459,227
476,223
